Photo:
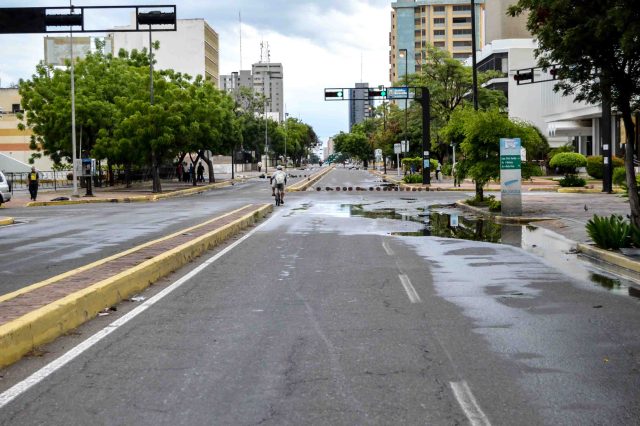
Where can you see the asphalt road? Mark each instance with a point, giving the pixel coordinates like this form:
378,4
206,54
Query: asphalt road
330,313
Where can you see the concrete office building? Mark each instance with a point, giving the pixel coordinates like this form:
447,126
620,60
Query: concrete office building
445,24
268,80
192,49
501,26
237,79
359,104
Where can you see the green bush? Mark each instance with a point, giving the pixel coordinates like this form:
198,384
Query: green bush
415,178
572,181
568,162
619,176
417,163
609,233
494,205
558,150
530,169
446,169
594,165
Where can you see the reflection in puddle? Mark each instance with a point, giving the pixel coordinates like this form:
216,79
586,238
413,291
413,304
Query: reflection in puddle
448,222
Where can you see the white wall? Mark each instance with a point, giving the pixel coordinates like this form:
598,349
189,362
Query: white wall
181,50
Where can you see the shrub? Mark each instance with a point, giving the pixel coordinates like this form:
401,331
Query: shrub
530,169
415,178
619,176
494,205
594,165
568,162
446,169
417,163
572,181
609,233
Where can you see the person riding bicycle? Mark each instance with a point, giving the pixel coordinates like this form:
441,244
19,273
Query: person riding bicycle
278,181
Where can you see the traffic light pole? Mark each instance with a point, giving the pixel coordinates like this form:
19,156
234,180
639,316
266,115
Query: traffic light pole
425,102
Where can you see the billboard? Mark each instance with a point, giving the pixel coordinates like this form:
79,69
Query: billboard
57,49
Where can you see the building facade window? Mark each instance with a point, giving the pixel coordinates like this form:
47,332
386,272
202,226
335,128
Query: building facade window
464,20
438,21
466,31
462,8
438,32
464,43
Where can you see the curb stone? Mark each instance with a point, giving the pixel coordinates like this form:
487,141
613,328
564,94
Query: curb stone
42,325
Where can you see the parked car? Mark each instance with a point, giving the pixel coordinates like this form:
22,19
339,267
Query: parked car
5,189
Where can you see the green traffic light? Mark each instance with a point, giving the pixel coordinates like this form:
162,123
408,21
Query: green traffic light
383,93
339,94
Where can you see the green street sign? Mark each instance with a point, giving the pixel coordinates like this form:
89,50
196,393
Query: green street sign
510,162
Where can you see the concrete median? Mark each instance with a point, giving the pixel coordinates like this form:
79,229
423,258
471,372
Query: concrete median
33,316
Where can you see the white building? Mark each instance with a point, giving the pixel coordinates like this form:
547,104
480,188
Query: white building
192,49
558,117
268,80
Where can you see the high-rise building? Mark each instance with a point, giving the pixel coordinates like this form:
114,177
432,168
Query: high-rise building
501,26
192,49
359,104
236,80
268,80
445,24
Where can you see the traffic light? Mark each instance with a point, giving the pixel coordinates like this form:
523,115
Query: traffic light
333,94
524,77
554,72
379,92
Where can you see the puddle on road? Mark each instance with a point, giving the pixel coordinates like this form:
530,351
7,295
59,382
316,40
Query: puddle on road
447,221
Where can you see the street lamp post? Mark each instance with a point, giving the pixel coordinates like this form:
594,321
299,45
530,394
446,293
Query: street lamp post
286,115
404,53
474,72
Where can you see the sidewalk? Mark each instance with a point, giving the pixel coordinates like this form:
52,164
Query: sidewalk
139,191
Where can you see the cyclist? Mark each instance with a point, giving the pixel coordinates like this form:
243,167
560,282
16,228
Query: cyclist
278,181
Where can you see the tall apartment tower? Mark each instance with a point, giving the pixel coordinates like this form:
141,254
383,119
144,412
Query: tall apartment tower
267,79
192,49
236,80
359,104
501,26
446,24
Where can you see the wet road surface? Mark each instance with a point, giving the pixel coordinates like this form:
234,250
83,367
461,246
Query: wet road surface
349,309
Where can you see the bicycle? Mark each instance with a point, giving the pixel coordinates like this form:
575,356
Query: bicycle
279,191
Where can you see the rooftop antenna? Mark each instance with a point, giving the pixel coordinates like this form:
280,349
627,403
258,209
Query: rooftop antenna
360,66
240,24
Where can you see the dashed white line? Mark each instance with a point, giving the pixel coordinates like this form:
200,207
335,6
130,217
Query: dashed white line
469,404
386,248
12,393
408,287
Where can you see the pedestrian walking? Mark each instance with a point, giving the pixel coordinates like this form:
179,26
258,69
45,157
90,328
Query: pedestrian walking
259,166
200,172
454,172
438,170
179,172
192,173
33,181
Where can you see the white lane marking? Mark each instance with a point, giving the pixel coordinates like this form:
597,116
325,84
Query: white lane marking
408,287
469,404
12,393
386,248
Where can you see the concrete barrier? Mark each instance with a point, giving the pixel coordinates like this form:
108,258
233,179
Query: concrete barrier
42,325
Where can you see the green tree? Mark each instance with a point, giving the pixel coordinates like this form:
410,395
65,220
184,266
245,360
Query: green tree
594,44
479,133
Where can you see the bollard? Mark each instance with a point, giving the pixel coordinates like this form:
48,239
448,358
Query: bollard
377,188
318,188
370,188
350,188
337,188
344,188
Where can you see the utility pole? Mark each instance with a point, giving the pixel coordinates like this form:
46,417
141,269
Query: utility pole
73,112
473,55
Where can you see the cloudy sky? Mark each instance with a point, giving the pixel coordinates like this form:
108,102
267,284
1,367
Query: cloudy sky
321,43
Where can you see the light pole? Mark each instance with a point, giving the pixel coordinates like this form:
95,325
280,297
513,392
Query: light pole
473,55
404,53
73,112
286,115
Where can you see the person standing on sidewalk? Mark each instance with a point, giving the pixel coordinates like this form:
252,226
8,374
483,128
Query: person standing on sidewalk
33,181
438,170
200,172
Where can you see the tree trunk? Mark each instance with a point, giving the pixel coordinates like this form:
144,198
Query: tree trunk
111,177
127,175
479,191
210,168
634,200
194,178
155,170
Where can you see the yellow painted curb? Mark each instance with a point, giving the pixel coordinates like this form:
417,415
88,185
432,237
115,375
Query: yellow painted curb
6,221
43,325
303,185
134,199
609,257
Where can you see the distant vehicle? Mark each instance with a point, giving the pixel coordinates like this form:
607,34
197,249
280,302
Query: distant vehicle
5,189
